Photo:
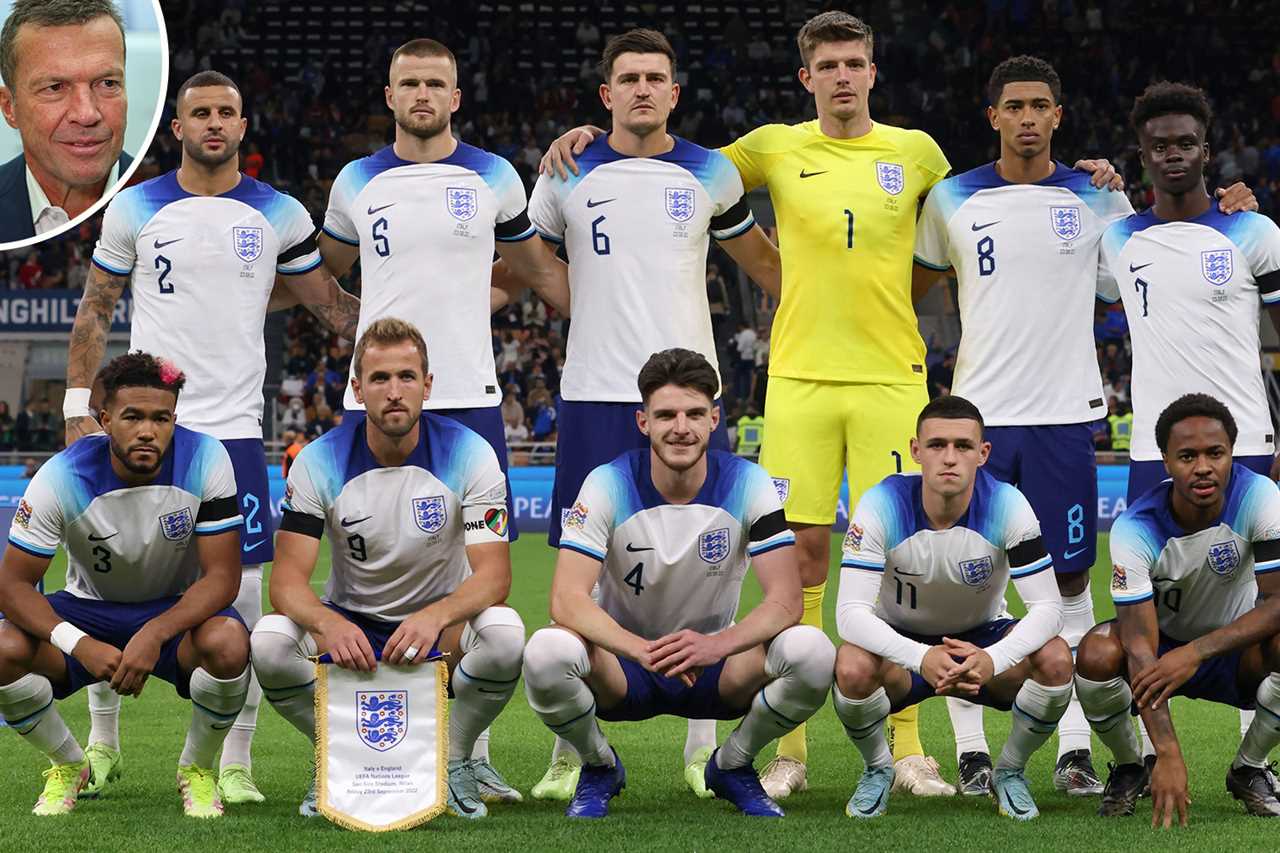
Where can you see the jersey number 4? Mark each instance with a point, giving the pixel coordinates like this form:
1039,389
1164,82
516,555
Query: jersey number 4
635,578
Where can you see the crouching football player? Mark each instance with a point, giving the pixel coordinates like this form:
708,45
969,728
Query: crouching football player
147,514
415,508
667,532
1191,558
927,561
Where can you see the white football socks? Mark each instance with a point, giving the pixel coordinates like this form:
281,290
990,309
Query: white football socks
863,721
27,707
555,669
1036,711
485,677
215,702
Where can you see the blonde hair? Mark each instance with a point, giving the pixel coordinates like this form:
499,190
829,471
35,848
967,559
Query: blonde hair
387,331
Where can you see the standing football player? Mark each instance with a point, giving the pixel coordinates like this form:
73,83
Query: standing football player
202,247
635,224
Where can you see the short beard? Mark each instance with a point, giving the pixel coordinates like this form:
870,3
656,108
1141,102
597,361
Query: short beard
123,455
431,131
391,432
193,149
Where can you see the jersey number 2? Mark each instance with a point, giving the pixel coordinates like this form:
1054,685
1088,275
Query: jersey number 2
164,266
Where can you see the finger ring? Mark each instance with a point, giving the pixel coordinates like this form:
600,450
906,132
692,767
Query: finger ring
411,653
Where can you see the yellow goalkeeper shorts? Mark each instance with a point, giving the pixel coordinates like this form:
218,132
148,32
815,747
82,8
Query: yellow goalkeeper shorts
813,430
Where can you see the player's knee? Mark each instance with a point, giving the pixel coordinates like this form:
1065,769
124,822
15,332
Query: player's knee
807,653
500,638
857,672
1100,657
1073,584
279,659
550,654
17,652
1052,664
223,646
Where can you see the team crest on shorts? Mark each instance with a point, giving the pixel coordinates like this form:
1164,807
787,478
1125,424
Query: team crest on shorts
1216,266
382,717
1065,222
176,526
679,204
783,487
1119,579
890,177
575,517
496,521
976,572
713,547
463,202
23,515
429,513
247,243
1223,557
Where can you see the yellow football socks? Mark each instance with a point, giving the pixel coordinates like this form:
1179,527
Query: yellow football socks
792,744
904,733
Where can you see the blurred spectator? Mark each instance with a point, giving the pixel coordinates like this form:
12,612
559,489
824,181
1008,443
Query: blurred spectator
29,468
294,416
7,439
744,365
30,273
942,375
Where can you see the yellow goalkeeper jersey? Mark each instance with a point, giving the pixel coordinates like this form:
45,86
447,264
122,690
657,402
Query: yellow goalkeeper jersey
846,211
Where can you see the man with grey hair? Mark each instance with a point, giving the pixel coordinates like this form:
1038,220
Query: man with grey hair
64,90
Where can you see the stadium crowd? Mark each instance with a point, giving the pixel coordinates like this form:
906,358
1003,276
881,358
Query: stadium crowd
737,66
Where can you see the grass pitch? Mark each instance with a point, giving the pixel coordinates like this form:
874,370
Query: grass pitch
656,812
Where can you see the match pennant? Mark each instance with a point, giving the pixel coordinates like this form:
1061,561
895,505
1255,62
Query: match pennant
382,744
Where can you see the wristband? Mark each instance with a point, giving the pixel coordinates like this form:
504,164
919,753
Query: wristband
65,636
76,404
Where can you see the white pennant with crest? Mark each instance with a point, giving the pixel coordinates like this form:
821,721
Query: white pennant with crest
382,744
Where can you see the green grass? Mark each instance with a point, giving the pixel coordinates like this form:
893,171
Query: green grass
655,813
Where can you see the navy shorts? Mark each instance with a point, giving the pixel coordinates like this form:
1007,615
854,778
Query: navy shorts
650,695
1145,476
981,636
1215,679
376,631
592,434
115,623
253,495
1055,467
487,421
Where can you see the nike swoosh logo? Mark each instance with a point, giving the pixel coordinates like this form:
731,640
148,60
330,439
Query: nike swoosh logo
248,548
93,538
805,174
160,245
879,803
348,522
1069,554
591,203
219,728
634,550
457,801
1013,807
976,227
1133,268
373,210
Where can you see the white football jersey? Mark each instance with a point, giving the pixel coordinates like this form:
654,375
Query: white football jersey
635,230
673,566
128,543
202,268
397,536
1026,258
1204,580
1190,293
904,584
426,234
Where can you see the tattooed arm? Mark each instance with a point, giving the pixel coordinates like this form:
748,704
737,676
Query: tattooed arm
89,340
320,293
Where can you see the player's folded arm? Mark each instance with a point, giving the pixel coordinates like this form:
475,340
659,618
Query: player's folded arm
20,601
859,625
297,549
1255,625
1031,570
782,604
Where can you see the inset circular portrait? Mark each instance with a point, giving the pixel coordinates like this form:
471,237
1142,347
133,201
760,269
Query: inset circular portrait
83,90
